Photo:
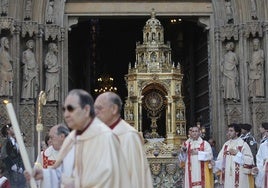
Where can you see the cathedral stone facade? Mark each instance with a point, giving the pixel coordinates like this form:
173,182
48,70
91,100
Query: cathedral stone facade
34,56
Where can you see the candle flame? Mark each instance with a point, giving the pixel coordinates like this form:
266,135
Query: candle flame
5,101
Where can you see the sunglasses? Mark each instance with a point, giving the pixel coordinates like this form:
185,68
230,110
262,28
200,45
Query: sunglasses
69,108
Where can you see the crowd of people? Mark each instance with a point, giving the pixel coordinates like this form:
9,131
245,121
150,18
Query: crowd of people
239,163
97,148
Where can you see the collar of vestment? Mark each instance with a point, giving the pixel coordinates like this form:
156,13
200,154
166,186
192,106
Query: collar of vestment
79,132
199,140
236,141
264,138
50,151
96,128
115,123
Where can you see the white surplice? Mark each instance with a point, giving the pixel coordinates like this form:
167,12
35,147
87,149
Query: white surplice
234,174
261,158
194,167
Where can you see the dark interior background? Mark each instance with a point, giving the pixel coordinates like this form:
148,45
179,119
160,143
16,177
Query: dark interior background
106,45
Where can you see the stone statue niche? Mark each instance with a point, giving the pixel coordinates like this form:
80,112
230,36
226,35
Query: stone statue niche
4,6
253,9
28,10
30,70
52,73
230,74
50,13
256,70
229,12
6,69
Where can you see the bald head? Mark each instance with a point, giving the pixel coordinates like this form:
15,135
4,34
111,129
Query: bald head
108,107
57,135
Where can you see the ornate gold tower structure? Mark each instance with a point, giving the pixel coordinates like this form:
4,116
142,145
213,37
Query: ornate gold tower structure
155,104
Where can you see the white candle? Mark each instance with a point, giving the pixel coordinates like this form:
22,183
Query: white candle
23,152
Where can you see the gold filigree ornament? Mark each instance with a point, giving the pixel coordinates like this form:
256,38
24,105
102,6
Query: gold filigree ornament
156,168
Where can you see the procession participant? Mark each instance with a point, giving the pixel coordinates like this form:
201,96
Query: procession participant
11,157
198,169
236,160
108,107
261,180
48,157
91,155
4,182
264,132
182,151
249,139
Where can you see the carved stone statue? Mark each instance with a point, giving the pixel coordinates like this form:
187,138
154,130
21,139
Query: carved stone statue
30,82
6,70
256,77
4,7
230,77
52,73
229,12
253,9
28,10
50,12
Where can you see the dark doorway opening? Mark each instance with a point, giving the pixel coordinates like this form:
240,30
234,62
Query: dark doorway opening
99,45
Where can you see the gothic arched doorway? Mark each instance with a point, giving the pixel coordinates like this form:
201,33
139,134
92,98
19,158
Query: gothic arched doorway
110,47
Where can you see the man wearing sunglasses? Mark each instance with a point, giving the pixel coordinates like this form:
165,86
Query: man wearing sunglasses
108,107
91,155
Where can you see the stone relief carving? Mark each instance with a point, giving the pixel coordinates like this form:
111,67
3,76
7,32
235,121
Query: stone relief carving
229,12
28,10
256,72
7,24
260,113
253,11
30,82
228,32
234,114
52,73
6,70
29,27
4,4
50,12
50,114
27,112
230,78
53,31
253,28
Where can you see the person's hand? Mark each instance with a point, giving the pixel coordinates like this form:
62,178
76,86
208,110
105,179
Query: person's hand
254,171
27,175
194,151
233,151
183,148
38,174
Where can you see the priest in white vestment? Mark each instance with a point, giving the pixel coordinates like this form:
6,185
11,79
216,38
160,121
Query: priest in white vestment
261,180
198,168
235,161
108,107
48,157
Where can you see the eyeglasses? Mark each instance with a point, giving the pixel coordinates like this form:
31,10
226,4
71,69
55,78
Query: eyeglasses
69,108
